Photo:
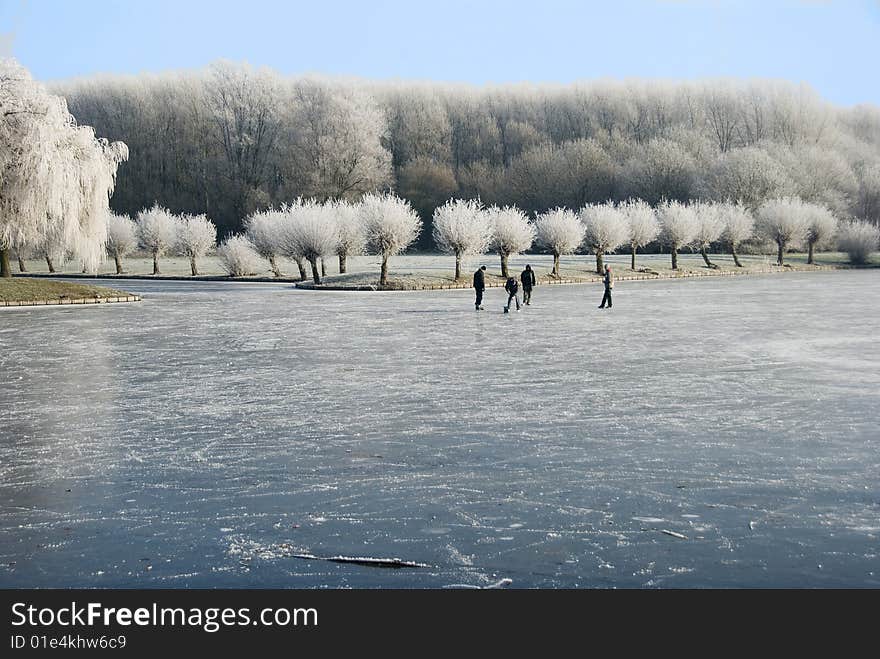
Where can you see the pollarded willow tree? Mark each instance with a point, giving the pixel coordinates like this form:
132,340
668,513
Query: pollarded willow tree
55,177
678,227
821,227
641,224
512,233
739,226
858,239
352,239
784,221
263,230
309,233
605,230
710,226
560,231
157,232
196,234
391,225
122,238
462,228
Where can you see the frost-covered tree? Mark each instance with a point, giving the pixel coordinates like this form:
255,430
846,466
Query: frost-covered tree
157,232
308,233
55,176
739,226
821,226
858,239
710,226
641,223
678,227
196,234
749,175
238,256
512,233
391,225
352,239
560,231
784,221
263,229
463,228
605,229
122,238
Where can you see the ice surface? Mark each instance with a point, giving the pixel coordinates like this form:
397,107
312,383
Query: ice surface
204,436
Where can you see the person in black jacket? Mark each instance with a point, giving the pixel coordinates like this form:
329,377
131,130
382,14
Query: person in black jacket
528,281
608,280
480,286
512,289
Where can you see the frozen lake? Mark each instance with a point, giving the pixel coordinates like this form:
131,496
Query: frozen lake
711,432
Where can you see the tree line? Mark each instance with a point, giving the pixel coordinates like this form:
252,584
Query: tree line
233,140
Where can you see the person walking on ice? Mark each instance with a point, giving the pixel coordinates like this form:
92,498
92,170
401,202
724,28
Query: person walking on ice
608,280
512,289
528,282
480,286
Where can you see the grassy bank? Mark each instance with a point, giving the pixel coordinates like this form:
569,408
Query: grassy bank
25,289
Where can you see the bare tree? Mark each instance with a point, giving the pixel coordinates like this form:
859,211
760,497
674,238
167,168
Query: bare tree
309,233
350,231
263,230
560,231
196,234
784,222
122,238
821,226
512,233
739,226
605,230
641,223
238,257
391,226
462,228
710,226
678,227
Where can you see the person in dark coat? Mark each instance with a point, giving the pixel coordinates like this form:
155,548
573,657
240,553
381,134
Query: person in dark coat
608,280
512,288
480,286
528,282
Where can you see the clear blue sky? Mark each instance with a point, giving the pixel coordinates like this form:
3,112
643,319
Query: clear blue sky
834,46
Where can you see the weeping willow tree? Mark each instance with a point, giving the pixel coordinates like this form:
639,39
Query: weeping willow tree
56,177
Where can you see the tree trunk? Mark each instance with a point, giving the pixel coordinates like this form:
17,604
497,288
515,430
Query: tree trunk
21,266
705,255
323,269
457,267
303,275
633,262
674,258
118,264
810,253
5,270
316,277
555,272
600,264
192,265
342,264
779,244
504,271
735,255
383,276
274,266
50,264
155,263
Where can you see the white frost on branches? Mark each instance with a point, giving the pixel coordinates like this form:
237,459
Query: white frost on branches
605,229
462,228
710,226
821,227
678,227
641,224
263,229
391,225
308,232
560,231
122,238
351,237
157,232
858,239
739,226
196,234
512,233
238,257
784,221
